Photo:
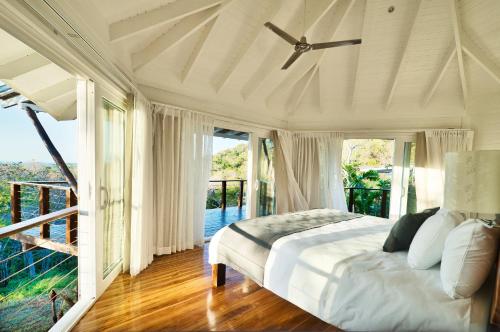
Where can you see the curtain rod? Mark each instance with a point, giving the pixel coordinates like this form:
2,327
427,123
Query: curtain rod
219,117
251,123
396,131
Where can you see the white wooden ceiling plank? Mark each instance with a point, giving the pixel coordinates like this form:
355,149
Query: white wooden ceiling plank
404,54
195,54
299,88
315,10
439,76
457,32
355,84
21,66
55,91
344,11
310,75
153,18
486,64
242,50
182,30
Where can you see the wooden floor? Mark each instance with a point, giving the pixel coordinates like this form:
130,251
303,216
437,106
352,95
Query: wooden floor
174,293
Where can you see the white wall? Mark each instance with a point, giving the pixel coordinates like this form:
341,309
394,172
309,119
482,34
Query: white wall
487,130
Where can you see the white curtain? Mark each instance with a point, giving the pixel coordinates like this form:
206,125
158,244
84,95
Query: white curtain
142,219
432,145
309,171
330,167
182,153
289,197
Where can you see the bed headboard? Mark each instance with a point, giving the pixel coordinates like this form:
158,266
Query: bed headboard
495,306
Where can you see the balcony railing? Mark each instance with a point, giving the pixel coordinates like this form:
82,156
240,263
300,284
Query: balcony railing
224,186
370,201
38,198
38,274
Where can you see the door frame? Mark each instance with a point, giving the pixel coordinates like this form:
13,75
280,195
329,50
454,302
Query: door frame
28,21
399,188
254,133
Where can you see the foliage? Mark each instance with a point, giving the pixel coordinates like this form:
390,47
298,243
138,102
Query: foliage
214,196
230,164
375,153
365,201
27,277
19,171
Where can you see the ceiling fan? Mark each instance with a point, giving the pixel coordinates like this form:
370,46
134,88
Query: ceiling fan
302,46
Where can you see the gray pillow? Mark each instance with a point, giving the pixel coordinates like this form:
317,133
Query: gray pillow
404,230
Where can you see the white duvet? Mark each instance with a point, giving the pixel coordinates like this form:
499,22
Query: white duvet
340,274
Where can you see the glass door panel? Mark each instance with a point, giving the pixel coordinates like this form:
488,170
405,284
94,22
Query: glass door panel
112,188
409,195
266,203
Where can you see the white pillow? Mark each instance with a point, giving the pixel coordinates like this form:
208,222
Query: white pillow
469,253
427,246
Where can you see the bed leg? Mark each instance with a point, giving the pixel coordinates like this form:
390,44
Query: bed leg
218,275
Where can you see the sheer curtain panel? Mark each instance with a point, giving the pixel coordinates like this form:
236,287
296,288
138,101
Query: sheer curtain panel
432,145
289,197
142,219
309,171
182,155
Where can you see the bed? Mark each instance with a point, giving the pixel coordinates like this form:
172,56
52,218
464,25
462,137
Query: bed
332,265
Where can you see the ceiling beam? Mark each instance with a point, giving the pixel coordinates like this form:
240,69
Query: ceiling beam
300,89
402,58
172,11
278,55
439,76
354,94
457,33
244,45
195,54
482,60
178,33
22,66
55,91
321,53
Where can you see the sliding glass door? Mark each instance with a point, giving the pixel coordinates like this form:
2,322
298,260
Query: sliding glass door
266,203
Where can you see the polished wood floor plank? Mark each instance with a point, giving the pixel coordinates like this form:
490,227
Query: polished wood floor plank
175,294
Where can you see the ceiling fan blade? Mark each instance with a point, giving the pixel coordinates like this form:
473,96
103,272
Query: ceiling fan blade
291,60
319,46
281,33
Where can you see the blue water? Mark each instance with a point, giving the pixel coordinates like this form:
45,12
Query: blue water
215,219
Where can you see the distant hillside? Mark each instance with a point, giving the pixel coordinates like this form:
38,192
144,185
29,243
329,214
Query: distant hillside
230,163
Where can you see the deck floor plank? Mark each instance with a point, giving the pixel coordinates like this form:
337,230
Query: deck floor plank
175,293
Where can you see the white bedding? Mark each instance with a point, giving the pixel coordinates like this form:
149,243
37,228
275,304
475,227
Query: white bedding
340,274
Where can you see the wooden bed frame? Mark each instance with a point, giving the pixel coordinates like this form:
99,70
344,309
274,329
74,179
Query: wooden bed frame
219,279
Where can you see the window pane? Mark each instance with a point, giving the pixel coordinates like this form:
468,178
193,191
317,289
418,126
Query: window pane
113,186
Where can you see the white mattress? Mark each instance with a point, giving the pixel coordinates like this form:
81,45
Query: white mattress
340,274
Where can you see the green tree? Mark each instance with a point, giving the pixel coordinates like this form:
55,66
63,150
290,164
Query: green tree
365,201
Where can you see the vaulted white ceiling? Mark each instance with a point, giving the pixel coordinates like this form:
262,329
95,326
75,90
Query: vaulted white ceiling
426,63
37,78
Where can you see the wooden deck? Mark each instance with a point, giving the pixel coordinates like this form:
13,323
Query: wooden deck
175,293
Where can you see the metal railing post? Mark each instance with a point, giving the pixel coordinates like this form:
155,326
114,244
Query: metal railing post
351,200
44,206
71,221
223,198
15,203
383,207
240,197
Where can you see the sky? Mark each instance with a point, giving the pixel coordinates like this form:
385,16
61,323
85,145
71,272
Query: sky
19,140
221,143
